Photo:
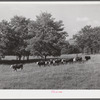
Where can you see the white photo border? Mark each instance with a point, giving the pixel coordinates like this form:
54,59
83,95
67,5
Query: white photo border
48,94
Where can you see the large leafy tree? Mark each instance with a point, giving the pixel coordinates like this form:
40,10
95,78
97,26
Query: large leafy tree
65,47
47,36
88,39
19,26
13,36
5,35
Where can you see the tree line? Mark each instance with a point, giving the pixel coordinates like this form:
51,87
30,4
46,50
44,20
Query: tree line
88,39
44,37
23,37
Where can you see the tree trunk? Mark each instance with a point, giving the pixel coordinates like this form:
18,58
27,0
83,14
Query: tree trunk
91,51
45,57
19,57
27,57
23,57
82,49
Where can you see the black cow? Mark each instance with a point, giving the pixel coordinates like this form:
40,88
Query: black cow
17,66
87,57
41,63
57,62
69,60
79,59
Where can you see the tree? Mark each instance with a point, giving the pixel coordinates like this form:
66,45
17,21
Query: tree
65,48
73,49
88,39
5,33
46,36
19,26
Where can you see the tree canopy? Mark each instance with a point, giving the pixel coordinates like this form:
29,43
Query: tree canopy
88,39
47,35
13,36
41,37
19,26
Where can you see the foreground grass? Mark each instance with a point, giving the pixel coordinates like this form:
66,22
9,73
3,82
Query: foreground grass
70,76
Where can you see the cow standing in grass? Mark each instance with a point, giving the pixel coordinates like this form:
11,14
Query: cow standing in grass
87,57
63,61
56,61
41,63
51,62
77,59
17,66
70,60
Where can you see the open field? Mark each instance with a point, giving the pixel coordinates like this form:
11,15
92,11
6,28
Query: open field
70,76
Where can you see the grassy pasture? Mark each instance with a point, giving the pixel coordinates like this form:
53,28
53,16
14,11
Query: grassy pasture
70,76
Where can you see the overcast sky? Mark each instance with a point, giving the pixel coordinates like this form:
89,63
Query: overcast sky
74,16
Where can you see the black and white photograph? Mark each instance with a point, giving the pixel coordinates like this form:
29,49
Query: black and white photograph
53,46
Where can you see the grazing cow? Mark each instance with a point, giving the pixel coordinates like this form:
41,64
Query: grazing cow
66,60
51,62
63,61
79,59
41,63
87,57
56,62
70,60
47,63
17,66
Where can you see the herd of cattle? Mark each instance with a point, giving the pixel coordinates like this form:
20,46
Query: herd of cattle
53,62
62,61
